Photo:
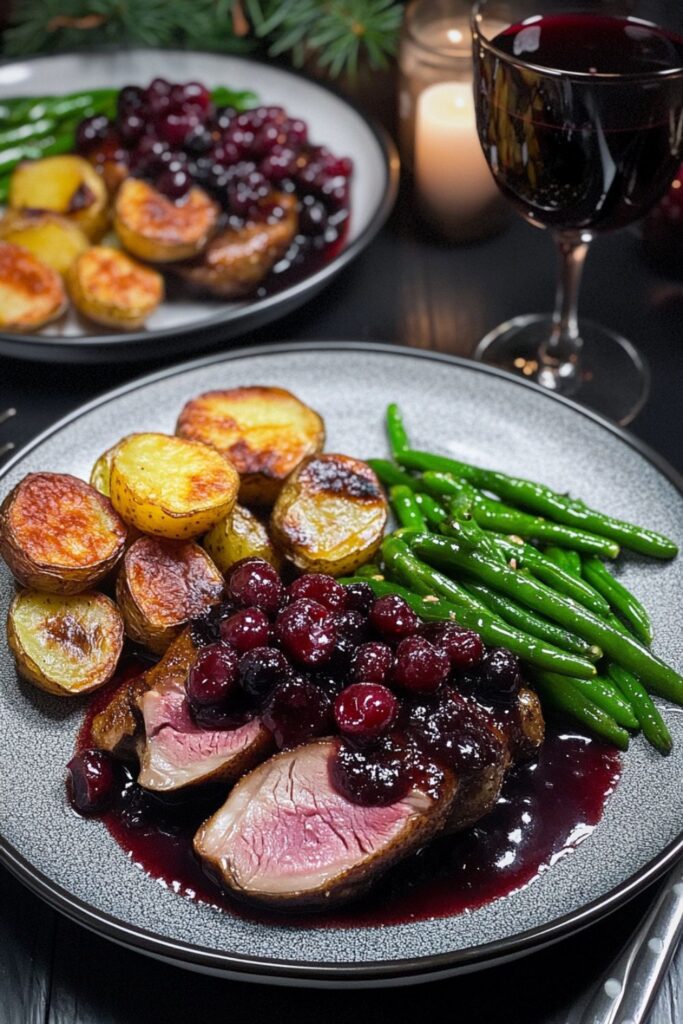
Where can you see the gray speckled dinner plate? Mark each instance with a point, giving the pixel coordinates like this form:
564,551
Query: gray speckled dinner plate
459,407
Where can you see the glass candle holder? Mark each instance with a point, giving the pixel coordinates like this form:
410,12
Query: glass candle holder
437,126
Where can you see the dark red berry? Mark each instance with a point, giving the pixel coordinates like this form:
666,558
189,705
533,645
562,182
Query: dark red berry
91,781
246,629
359,597
500,673
174,128
351,626
130,127
296,711
174,183
372,663
393,617
464,647
374,775
254,583
213,676
307,632
452,730
90,131
364,711
313,218
131,100
420,666
262,669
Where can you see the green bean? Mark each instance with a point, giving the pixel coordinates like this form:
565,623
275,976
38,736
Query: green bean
542,499
464,524
35,130
434,513
389,474
564,696
492,630
621,648
407,510
494,515
536,625
398,438
550,573
401,563
370,569
651,722
621,599
569,561
604,694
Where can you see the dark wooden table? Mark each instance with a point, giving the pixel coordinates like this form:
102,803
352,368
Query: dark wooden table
410,289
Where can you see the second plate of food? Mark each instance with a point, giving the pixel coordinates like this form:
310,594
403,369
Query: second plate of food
237,189
372,848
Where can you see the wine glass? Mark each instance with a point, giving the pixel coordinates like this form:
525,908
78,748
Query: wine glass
580,116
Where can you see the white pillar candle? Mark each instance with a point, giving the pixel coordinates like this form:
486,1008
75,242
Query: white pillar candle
453,178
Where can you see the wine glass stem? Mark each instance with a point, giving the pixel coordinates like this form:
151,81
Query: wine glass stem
559,355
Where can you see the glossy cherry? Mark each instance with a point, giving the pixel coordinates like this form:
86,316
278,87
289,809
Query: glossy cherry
363,711
91,781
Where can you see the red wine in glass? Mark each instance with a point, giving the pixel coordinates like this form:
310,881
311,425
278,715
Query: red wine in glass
580,117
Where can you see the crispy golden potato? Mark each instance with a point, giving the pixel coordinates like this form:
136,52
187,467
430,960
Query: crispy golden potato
170,487
58,534
31,293
110,288
64,184
158,229
161,586
240,535
265,432
330,515
52,239
65,644
238,259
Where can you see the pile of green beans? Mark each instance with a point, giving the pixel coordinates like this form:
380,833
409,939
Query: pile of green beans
524,566
32,127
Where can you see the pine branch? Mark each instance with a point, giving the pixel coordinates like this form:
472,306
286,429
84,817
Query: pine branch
333,33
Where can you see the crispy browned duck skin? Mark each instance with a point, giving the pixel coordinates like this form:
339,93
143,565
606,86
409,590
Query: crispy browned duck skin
237,259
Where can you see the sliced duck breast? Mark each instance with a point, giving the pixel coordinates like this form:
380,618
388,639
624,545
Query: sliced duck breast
286,837
521,728
176,752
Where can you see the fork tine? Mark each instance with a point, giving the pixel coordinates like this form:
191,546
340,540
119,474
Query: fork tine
7,414
6,448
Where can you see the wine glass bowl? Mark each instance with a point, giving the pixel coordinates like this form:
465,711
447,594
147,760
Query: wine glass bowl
580,117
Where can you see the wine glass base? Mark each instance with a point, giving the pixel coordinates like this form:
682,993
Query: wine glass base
611,376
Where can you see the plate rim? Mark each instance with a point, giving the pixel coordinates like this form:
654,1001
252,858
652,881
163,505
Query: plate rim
264,308
406,970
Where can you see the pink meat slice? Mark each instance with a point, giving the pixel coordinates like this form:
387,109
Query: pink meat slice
179,753
285,835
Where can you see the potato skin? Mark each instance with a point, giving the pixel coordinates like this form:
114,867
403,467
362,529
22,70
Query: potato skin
59,534
107,286
163,584
31,293
67,645
53,239
240,535
330,515
158,230
63,184
264,431
169,487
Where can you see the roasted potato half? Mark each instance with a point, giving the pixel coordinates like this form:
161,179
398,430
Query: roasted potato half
65,644
240,535
112,289
158,229
64,184
161,586
170,487
31,293
238,259
52,239
58,534
330,515
265,432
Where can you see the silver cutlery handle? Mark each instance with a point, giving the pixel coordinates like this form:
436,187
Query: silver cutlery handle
626,992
